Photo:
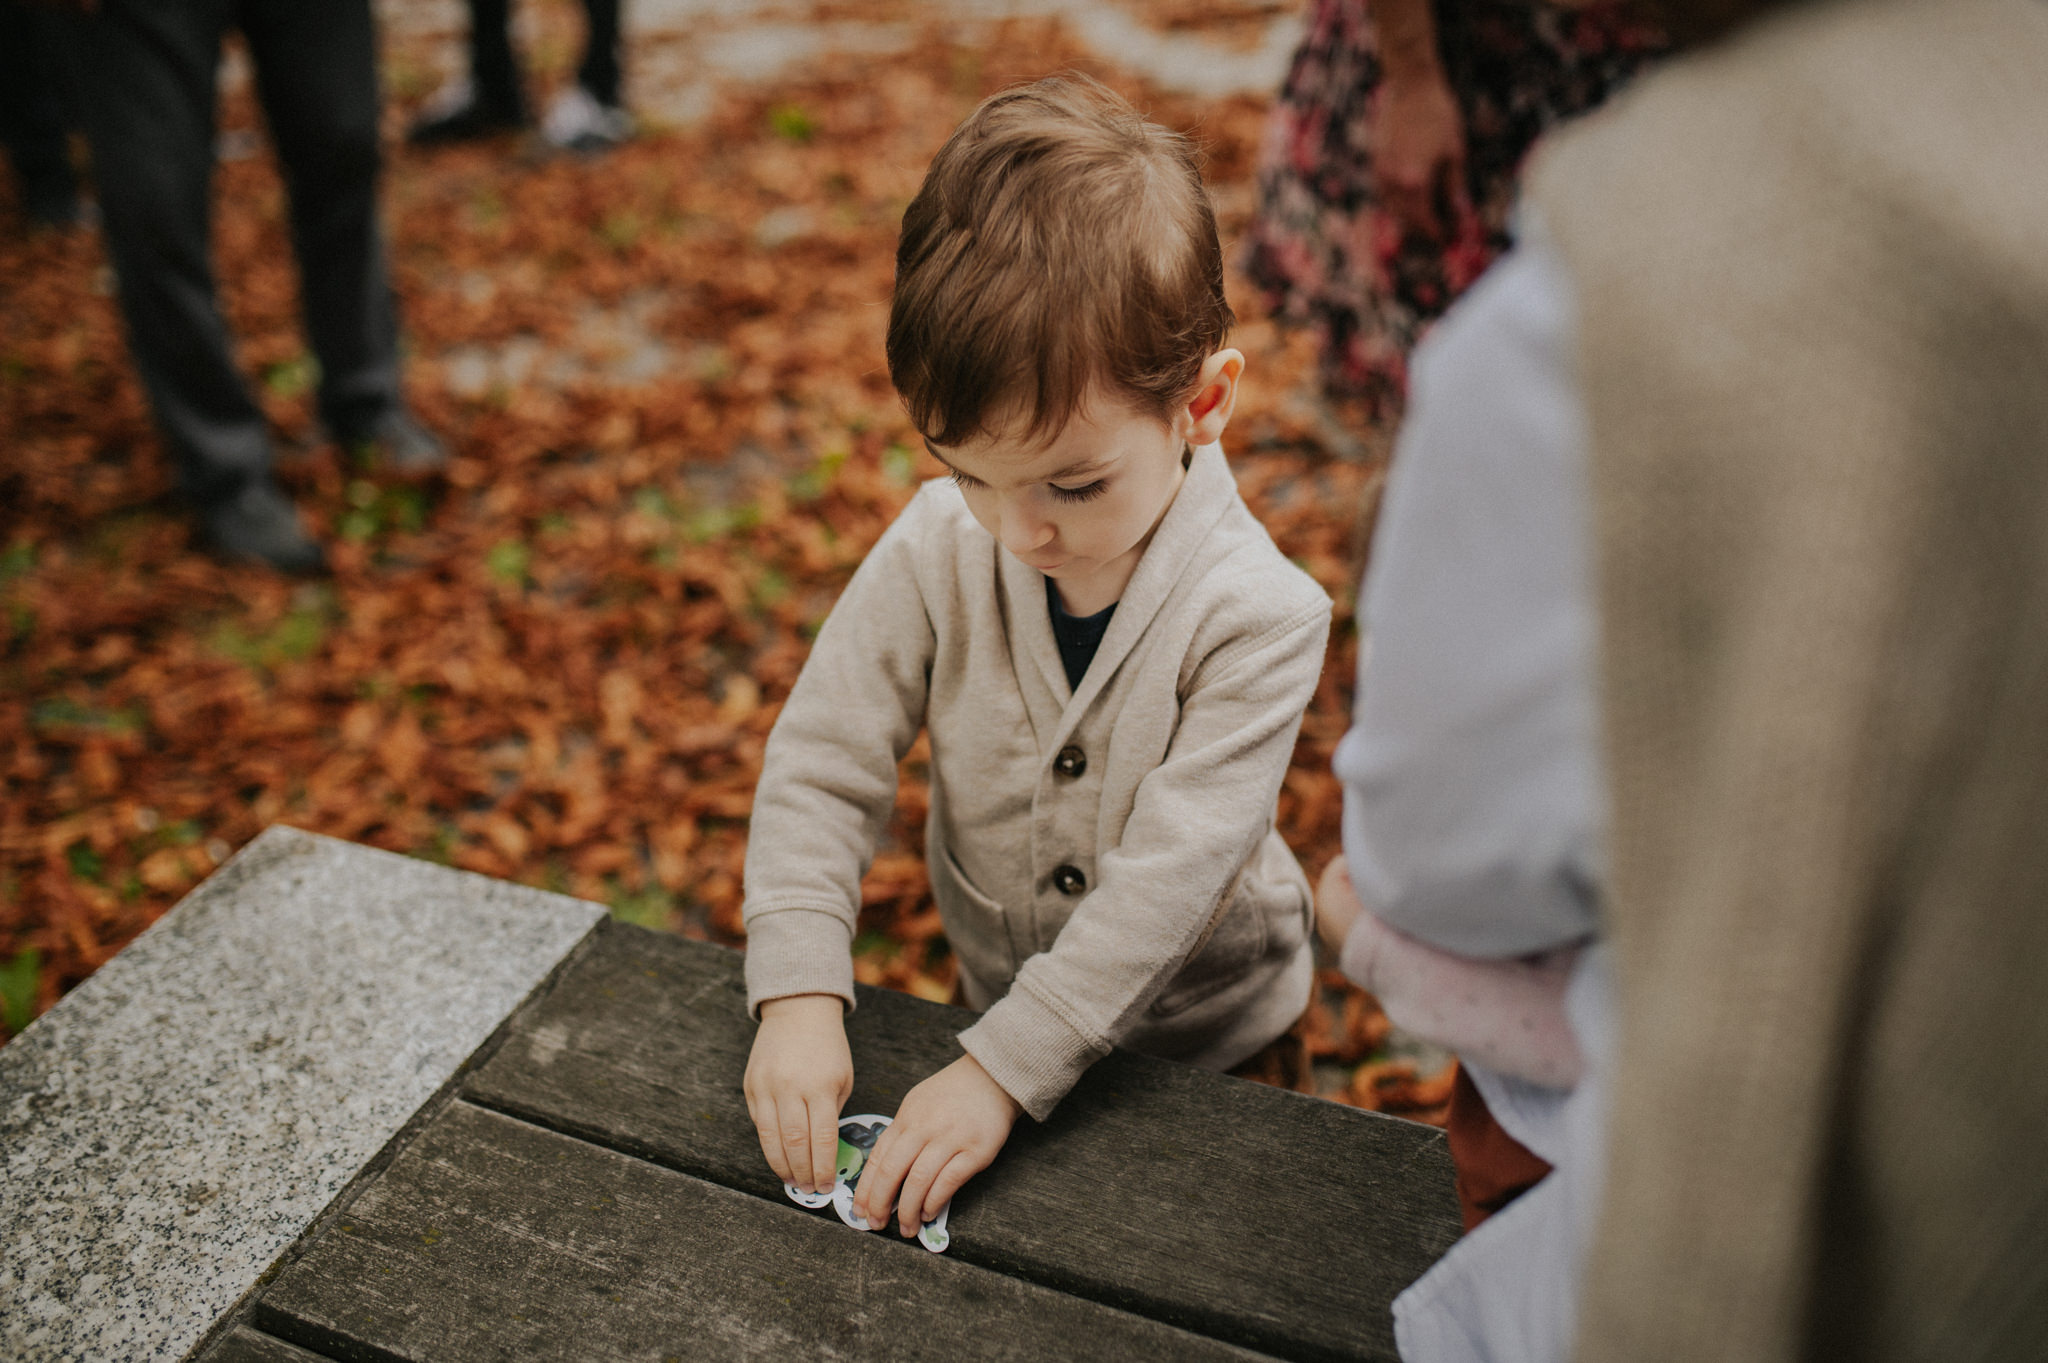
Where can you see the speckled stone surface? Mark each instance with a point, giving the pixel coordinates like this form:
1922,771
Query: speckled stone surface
184,1114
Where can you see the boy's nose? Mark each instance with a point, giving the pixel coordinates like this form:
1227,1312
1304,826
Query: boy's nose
1024,532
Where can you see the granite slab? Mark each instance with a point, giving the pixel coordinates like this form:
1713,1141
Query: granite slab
182,1116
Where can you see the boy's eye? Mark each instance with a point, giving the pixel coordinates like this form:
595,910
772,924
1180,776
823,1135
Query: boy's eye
1087,492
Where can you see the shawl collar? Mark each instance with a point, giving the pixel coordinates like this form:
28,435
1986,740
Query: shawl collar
1208,491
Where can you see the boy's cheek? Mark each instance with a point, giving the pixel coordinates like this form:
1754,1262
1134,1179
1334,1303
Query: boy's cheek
982,510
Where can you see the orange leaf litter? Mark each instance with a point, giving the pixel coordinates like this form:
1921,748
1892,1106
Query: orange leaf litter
559,663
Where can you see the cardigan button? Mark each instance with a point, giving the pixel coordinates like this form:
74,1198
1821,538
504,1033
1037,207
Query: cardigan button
1071,762
1068,880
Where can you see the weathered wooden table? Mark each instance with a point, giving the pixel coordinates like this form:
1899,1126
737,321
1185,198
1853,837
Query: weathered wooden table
585,1183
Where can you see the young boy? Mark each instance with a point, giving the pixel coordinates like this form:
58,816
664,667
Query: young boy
1109,654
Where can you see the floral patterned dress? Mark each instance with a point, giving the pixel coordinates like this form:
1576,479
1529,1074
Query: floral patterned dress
1323,253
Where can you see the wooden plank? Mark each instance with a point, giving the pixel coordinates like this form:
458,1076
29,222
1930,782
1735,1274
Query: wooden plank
1284,1223
488,1238
243,1345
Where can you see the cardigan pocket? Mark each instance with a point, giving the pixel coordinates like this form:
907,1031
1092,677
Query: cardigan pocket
1234,942
977,929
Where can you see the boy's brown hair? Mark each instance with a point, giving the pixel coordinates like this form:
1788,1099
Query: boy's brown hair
1061,247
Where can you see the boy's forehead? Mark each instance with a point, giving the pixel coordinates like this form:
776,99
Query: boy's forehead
992,461
1094,438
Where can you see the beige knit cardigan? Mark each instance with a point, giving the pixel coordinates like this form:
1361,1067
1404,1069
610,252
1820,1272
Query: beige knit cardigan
1104,859
1812,266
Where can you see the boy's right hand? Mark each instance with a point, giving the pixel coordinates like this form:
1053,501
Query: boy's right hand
798,1078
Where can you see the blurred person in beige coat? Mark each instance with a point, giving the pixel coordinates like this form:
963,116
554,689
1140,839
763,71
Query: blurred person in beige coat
1810,267
1709,613
1110,655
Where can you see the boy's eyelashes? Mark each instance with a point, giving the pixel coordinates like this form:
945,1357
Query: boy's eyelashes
1087,492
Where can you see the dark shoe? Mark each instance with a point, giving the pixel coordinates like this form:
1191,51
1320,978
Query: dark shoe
259,523
458,114
397,443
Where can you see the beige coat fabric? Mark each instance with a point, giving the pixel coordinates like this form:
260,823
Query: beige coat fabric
1191,936
1812,270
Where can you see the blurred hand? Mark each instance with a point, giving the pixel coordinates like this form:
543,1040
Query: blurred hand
798,1077
948,1130
1418,153
1337,905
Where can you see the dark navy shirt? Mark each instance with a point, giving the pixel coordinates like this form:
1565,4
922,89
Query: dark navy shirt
1078,635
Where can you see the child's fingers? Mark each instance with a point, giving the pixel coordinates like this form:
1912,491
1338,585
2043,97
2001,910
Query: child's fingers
793,1133
766,1128
918,1182
883,1176
952,1178
878,1153
824,1142
894,1153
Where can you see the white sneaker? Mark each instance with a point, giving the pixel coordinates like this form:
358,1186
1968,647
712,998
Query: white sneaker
577,122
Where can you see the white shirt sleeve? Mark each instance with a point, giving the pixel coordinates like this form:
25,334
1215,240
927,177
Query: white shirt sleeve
1474,807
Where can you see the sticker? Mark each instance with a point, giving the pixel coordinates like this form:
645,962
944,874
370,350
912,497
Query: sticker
842,1202
932,1235
804,1199
857,1137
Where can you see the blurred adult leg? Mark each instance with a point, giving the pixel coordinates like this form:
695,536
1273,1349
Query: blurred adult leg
493,67
147,71
33,116
316,74
586,117
486,102
599,73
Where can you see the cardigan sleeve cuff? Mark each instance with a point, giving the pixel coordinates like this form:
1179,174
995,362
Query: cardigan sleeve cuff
1030,1048
797,951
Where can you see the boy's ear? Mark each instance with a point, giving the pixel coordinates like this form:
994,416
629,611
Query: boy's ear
1208,411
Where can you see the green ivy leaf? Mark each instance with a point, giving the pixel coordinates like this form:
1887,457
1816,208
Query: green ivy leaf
18,979
791,123
86,863
507,561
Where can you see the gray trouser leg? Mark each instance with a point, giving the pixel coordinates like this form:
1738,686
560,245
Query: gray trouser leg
146,72
316,72
35,99
148,69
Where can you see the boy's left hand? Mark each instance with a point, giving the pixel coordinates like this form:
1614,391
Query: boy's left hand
948,1130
